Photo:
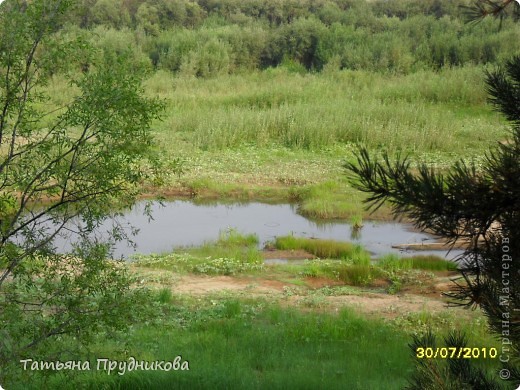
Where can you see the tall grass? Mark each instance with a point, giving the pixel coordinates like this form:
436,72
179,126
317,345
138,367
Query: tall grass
392,262
422,112
241,346
433,263
325,249
230,244
357,274
253,344
279,134
275,127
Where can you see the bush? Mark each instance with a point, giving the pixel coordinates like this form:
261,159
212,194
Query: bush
209,60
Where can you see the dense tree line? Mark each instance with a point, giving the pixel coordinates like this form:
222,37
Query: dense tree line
209,37
189,13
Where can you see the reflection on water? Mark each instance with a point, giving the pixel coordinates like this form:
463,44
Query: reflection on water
183,223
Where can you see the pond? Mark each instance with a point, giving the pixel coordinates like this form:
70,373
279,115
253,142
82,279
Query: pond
183,223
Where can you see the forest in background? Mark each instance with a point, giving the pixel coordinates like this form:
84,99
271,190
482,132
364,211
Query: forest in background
210,38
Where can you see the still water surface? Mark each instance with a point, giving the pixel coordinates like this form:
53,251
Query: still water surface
184,223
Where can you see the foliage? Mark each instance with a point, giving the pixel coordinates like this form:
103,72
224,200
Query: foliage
231,237
325,249
226,266
282,110
185,262
433,263
348,272
231,254
204,39
392,262
496,8
61,169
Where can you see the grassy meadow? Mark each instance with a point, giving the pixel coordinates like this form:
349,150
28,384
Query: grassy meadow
253,345
281,134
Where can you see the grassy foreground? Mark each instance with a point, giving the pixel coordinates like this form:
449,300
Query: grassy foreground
337,322
255,345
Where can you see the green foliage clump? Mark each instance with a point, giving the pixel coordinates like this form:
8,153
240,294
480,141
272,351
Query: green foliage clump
344,271
392,262
210,265
226,266
354,269
433,263
356,275
232,238
325,249
231,254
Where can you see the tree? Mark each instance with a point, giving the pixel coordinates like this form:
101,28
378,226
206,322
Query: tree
111,13
480,206
62,169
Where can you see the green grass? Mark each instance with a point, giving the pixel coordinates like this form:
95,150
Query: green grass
393,262
164,295
422,112
230,245
433,263
357,275
235,253
344,271
247,345
325,249
232,238
330,199
429,114
235,263
279,135
356,222
231,254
